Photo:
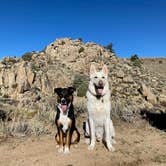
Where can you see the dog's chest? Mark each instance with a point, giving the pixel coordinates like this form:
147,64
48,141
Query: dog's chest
64,120
97,108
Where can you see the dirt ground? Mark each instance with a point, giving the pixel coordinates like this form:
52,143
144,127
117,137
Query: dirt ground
137,144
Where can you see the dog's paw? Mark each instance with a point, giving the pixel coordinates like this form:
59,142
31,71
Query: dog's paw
110,148
91,146
75,145
87,141
113,141
57,146
66,151
60,150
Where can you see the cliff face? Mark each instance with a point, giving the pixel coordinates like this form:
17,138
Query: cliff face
28,82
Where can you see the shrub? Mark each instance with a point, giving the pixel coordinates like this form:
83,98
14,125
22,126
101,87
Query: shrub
23,122
80,39
80,105
9,60
34,67
6,96
81,50
14,86
121,112
134,57
27,56
109,47
63,42
81,84
135,60
160,61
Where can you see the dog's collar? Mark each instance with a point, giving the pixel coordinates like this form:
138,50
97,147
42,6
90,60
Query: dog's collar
95,95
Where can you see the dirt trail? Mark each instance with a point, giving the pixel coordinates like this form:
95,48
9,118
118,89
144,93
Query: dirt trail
138,144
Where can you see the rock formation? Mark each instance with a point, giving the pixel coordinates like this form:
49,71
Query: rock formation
28,82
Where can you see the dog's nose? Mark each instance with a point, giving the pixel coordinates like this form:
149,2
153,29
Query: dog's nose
63,101
100,82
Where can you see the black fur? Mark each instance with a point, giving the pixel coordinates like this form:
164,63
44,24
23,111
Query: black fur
3,115
67,95
70,115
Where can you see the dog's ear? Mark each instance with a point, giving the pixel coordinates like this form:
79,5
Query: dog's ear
57,90
71,90
92,69
105,70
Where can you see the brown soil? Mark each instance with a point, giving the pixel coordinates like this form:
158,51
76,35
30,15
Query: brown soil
138,144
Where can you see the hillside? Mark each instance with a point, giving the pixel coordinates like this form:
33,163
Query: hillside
27,103
27,83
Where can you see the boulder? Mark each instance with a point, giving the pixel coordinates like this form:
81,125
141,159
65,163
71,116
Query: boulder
128,79
162,99
147,93
120,74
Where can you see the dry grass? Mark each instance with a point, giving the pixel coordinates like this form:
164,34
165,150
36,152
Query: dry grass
121,112
24,122
38,122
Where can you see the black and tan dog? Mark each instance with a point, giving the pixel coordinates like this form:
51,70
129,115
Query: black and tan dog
65,119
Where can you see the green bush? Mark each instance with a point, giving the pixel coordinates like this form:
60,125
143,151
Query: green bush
81,50
8,60
109,47
80,39
35,68
27,56
81,84
135,60
160,62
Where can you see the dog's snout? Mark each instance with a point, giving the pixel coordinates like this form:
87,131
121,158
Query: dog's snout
100,82
63,101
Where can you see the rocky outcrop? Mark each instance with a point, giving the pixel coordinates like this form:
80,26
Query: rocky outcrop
162,99
30,80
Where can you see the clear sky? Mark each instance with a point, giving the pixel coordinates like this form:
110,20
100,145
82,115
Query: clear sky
133,26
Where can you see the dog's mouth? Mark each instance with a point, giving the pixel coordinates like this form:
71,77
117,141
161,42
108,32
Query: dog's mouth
99,89
64,107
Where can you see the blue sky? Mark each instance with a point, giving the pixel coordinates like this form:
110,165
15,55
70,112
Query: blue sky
133,26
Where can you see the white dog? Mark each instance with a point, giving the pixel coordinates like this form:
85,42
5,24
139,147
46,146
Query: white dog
99,125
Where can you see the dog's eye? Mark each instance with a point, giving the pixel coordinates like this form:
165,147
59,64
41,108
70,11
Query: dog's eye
60,95
103,77
95,77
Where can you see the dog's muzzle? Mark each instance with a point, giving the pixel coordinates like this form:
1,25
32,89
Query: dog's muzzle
63,105
99,88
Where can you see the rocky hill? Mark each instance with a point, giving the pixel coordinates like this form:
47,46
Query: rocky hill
27,83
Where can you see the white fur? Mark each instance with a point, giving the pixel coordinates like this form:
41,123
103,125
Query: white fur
63,119
99,124
66,151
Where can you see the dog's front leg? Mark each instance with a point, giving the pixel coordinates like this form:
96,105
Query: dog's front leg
60,134
60,140
107,134
92,134
68,141
68,137
112,132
